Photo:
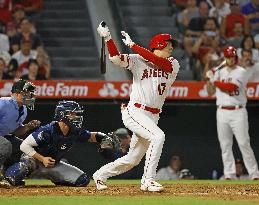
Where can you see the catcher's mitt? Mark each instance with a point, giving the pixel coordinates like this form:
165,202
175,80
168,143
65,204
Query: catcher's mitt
110,142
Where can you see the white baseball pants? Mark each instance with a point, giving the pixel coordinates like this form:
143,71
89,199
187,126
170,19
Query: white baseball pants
147,139
235,122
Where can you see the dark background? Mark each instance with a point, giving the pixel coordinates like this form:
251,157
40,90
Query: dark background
190,128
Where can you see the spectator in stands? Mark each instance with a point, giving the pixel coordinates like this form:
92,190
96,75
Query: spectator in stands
195,27
4,41
4,45
184,17
12,70
251,10
236,40
246,61
178,5
256,40
219,10
241,173
18,15
24,55
11,32
172,171
33,71
44,63
5,11
31,6
25,33
3,75
227,24
207,43
249,43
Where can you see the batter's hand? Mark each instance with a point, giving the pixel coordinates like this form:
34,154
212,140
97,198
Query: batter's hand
210,75
104,31
33,124
48,162
127,41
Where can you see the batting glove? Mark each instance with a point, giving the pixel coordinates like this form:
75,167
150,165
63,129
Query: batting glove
127,41
104,31
210,76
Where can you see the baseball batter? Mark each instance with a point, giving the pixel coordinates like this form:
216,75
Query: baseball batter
230,85
44,149
153,74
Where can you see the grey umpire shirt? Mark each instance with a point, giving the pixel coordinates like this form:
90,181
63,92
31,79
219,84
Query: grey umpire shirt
11,116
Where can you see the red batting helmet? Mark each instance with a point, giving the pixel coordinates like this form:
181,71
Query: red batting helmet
230,51
158,41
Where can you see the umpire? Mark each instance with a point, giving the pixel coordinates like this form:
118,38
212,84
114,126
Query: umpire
13,112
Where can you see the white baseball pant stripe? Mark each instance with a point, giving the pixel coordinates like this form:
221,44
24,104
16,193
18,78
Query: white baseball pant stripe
147,138
235,122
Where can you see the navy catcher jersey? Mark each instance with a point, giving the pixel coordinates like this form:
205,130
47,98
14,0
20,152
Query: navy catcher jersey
52,143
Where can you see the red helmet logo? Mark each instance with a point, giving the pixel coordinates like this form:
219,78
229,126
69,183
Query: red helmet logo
158,41
230,52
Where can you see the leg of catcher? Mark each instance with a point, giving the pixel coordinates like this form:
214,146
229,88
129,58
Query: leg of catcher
65,174
18,171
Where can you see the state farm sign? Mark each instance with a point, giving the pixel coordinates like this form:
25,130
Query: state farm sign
182,90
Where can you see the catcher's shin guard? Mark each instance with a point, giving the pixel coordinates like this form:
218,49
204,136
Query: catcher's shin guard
16,173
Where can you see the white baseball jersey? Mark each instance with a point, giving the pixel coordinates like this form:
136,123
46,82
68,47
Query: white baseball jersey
150,84
236,76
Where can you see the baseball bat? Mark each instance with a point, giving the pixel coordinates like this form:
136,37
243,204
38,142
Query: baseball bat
103,58
219,66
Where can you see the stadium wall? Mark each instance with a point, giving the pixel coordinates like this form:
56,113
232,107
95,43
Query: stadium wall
190,128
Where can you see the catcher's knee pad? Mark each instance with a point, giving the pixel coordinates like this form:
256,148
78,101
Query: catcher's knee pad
16,173
83,180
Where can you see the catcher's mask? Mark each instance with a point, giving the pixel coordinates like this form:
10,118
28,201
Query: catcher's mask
27,90
70,112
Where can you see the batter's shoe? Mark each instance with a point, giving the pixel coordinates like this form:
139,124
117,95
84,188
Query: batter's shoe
100,185
151,185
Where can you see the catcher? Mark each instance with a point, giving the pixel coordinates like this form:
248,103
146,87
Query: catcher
44,148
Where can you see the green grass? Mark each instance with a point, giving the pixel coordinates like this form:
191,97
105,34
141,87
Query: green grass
108,200
156,199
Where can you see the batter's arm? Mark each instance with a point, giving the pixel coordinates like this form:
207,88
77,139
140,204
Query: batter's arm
162,63
211,89
121,60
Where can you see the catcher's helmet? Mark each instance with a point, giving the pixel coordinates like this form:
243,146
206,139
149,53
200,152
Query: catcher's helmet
27,90
158,41
64,109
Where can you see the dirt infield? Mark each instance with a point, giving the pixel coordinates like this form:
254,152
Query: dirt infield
222,191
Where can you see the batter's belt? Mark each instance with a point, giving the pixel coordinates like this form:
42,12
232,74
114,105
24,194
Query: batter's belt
234,107
147,108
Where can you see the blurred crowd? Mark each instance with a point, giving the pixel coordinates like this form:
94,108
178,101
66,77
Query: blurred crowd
22,54
208,26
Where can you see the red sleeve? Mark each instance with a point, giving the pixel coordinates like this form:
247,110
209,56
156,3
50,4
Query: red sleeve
113,51
162,63
230,87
